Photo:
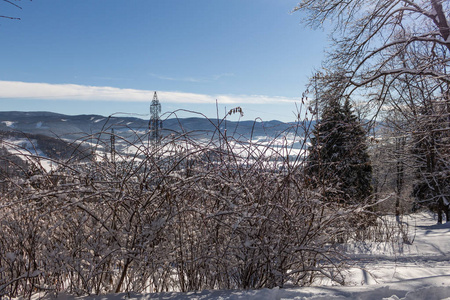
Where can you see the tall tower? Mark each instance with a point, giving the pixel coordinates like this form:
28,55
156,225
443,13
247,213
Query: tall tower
155,123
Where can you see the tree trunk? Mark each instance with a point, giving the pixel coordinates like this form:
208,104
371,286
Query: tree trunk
122,276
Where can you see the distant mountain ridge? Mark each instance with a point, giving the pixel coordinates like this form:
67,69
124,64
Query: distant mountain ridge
73,127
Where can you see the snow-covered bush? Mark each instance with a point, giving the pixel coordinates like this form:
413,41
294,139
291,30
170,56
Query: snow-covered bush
181,215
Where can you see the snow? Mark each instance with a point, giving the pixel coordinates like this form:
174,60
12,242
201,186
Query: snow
412,271
9,123
98,120
27,148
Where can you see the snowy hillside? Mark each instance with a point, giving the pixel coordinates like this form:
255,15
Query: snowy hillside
410,271
75,127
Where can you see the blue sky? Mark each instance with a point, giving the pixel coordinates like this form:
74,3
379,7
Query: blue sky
108,56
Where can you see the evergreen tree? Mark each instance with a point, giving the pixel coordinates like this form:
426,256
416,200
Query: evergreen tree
338,162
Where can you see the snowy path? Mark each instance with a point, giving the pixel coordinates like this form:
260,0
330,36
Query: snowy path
422,265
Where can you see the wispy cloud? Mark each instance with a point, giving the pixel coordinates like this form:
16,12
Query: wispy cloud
47,91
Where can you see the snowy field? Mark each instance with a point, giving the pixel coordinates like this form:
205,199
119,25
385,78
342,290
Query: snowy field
419,270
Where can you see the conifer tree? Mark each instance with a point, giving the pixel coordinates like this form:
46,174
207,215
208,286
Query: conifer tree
338,163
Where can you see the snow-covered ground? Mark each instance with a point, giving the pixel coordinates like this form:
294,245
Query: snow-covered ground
420,270
24,147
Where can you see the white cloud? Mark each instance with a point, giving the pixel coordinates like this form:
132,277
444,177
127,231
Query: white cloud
47,91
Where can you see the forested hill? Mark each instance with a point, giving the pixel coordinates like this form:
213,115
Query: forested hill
71,127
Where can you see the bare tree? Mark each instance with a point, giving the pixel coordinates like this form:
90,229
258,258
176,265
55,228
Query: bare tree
13,3
370,36
395,56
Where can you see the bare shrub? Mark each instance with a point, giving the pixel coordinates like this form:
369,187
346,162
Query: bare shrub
182,215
